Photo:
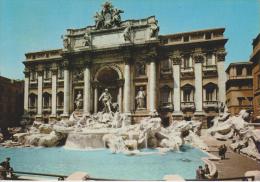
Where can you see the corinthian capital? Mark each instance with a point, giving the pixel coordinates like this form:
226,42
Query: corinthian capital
198,56
176,57
221,55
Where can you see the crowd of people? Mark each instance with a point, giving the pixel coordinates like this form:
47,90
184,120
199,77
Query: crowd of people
5,169
203,173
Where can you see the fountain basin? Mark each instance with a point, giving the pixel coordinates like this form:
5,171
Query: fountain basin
101,163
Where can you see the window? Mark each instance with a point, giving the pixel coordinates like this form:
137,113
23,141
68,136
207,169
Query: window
209,60
208,36
60,73
140,69
239,71
186,95
32,100
211,92
33,75
46,100
166,65
250,99
186,62
60,99
249,71
47,73
186,39
166,95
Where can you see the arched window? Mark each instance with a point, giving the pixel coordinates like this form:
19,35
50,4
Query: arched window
165,96
187,93
46,100
211,92
60,99
32,100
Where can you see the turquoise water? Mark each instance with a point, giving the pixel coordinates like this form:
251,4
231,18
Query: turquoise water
104,164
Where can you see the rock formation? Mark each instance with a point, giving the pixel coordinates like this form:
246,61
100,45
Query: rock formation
245,138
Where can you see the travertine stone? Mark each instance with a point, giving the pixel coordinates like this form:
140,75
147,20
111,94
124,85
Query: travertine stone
66,92
87,98
152,85
127,89
39,110
176,88
26,93
198,86
54,93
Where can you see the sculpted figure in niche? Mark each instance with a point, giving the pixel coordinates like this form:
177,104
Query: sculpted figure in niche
79,101
127,33
107,100
86,41
140,98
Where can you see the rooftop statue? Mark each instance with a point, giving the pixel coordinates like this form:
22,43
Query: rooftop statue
108,17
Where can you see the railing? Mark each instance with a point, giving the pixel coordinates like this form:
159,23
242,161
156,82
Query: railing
210,104
187,69
188,105
166,105
242,178
62,177
166,70
210,68
240,77
33,108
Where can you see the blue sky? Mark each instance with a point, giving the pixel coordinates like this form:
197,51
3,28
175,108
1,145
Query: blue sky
33,25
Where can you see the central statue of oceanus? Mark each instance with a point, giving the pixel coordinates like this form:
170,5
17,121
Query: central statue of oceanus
107,101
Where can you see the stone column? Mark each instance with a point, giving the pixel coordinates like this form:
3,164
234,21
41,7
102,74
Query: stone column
198,59
127,87
39,98
66,105
152,86
26,90
221,76
87,87
176,62
120,95
53,94
95,99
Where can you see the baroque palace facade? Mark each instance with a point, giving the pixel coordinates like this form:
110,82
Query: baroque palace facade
182,74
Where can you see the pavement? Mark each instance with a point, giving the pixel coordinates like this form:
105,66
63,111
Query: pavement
235,165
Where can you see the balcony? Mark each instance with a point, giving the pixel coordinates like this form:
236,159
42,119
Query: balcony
210,70
166,106
33,109
60,108
166,70
187,106
47,109
187,72
240,77
210,105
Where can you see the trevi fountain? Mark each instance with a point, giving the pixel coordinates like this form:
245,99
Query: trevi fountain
106,145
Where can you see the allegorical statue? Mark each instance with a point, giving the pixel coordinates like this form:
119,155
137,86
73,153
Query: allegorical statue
79,101
108,17
107,100
140,99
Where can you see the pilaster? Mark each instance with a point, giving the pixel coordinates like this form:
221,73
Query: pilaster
66,89
87,89
54,71
176,64
39,108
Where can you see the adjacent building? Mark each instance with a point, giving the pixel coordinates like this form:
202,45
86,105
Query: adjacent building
181,74
255,59
239,87
11,102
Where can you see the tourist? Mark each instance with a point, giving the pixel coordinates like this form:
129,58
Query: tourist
206,171
220,152
200,173
6,165
224,151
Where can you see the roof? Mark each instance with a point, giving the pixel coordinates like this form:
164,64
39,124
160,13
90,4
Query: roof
237,64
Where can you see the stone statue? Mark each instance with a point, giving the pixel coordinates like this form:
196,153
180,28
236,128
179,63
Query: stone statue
140,99
107,100
108,17
127,33
154,29
87,40
79,101
66,43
